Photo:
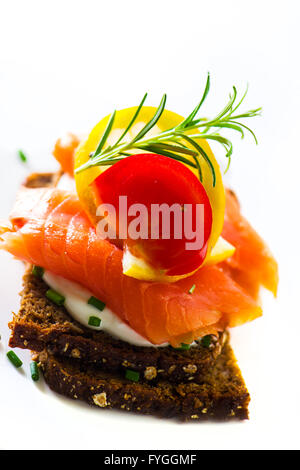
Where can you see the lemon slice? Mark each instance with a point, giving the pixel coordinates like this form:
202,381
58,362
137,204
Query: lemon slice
140,269
221,251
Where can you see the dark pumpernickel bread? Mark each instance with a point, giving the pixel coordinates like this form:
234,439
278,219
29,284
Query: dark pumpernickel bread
42,180
40,324
222,395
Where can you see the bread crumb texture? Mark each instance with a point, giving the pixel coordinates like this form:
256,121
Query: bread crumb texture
100,399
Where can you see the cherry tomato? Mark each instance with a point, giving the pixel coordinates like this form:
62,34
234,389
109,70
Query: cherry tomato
149,180
167,120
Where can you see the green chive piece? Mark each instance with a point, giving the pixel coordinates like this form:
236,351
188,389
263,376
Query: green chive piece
57,298
14,359
183,347
22,156
192,289
34,370
37,271
94,321
206,341
132,375
96,303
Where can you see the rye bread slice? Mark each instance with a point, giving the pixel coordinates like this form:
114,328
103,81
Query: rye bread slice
222,395
42,180
40,324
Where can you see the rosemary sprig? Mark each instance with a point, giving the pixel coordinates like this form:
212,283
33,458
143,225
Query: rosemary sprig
178,142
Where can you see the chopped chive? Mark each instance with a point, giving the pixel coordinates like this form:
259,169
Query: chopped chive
192,289
34,370
94,321
22,156
206,341
57,298
183,347
14,359
96,303
37,271
132,375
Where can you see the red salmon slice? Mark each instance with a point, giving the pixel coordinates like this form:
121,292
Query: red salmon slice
49,228
64,151
252,264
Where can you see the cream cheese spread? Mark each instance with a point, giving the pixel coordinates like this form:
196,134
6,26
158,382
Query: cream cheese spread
76,303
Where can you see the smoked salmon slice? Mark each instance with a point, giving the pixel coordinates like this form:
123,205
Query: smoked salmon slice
252,264
64,151
49,228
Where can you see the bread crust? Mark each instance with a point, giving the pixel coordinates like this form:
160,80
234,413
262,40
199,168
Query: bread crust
222,395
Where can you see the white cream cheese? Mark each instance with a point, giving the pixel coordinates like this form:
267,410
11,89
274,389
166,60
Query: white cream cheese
76,303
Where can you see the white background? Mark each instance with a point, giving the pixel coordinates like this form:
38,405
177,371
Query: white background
63,66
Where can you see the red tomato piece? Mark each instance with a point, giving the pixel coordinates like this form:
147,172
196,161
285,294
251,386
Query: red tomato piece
152,180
